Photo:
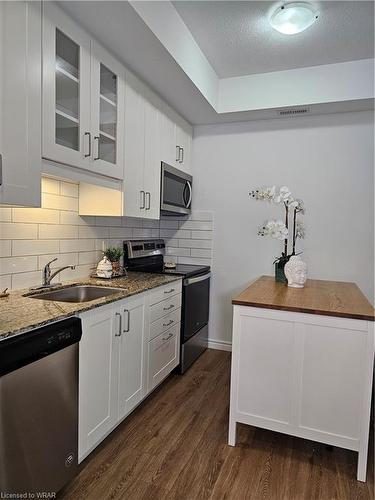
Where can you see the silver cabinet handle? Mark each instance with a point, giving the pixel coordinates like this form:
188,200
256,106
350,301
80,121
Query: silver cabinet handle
119,325
178,153
148,197
142,204
182,155
169,336
127,312
1,169
169,291
169,322
88,134
96,138
168,308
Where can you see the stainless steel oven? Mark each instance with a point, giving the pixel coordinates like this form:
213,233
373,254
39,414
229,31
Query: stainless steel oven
176,190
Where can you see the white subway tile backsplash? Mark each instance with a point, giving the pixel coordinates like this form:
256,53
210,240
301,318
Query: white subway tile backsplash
43,215
5,248
13,231
169,224
201,252
120,232
108,221
201,235
26,280
93,232
11,265
31,237
172,233
72,218
199,261
63,259
183,252
54,231
195,224
77,245
88,257
5,214
5,282
59,202
50,185
34,247
195,243
69,189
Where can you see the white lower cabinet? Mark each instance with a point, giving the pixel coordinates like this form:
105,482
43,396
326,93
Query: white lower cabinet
163,355
118,365
132,385
98,375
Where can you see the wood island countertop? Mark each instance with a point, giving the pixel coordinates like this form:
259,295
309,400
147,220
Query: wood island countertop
328,298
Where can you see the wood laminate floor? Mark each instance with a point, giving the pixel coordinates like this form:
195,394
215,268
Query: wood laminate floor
174,446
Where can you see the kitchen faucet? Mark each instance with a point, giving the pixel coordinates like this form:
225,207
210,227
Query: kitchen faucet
48,276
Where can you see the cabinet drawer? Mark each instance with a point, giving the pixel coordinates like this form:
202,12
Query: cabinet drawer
164,292
162,324
164,307
163,355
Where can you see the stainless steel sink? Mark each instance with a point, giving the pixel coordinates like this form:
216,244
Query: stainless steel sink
77,293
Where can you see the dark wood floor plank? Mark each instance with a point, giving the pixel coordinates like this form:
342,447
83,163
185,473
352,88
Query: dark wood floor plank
174,447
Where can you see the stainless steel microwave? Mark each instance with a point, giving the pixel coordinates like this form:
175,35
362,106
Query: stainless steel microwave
176,191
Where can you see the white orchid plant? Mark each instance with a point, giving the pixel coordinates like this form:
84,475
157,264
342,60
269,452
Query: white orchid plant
277,228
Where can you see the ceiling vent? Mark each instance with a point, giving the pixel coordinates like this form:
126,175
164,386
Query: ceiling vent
293,111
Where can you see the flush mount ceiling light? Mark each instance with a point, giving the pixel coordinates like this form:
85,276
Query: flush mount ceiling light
292,18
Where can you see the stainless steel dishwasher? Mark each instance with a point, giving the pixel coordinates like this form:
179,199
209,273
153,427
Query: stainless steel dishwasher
39,408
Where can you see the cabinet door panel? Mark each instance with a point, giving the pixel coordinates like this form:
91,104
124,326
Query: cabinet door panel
132,365
107,113
97,377
66,89
332,375
134,194
20,102
152,169
266,368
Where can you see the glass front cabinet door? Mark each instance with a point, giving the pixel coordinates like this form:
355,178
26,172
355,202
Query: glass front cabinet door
83,98
66,90
107,113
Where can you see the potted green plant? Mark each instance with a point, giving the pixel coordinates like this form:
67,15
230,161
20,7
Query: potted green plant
114,254
277,228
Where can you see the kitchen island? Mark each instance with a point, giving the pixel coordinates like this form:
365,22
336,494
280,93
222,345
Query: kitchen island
302,362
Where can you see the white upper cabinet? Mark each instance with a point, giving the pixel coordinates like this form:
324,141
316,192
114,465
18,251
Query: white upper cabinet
142,151
107,113
134,193
20,103
83,98
66,90
176,138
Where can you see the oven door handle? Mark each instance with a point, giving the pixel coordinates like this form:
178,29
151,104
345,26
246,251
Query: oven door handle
191,281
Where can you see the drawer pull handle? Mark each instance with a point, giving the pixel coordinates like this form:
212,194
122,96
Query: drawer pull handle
169,291
168,308
169,336
169,322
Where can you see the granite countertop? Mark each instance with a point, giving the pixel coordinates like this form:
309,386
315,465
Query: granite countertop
328,298
19,313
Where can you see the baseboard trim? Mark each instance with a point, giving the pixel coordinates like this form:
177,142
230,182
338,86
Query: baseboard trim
220,345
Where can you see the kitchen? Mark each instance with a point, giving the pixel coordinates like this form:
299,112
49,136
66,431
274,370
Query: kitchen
130,126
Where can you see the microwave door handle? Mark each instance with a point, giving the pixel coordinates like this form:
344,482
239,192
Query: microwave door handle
188,183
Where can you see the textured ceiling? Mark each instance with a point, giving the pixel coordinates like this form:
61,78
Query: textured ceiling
237,39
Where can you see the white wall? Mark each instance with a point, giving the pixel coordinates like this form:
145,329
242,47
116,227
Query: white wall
327,160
